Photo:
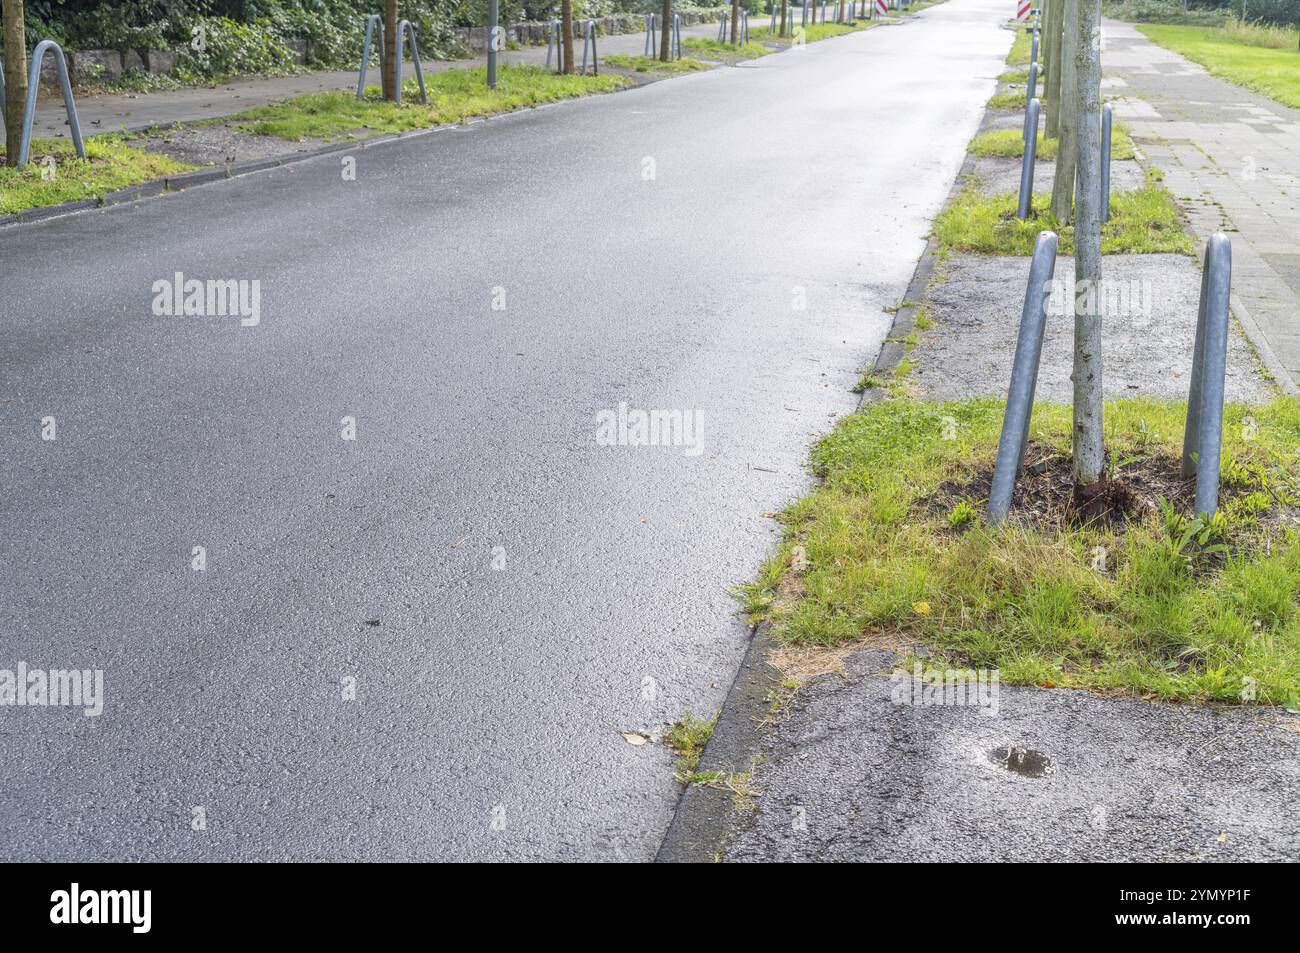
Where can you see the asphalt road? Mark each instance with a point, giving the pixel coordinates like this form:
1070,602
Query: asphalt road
490,701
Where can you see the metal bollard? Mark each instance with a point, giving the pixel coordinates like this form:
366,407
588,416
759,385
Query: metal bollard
676,37
744,27
495,41
1031,88
1027,162
722,28
1033,45
1024,378
29,108
554,40
651,28
405,29
1105,162
1203,435
374,20
589,43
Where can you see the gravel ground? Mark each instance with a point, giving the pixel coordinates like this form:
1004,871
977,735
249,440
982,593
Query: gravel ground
997,176
220,144
976,309
852,776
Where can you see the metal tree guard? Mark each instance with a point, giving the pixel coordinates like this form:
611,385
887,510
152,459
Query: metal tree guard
371,22
1027,161
1203,435
1024,378
29,109
406,29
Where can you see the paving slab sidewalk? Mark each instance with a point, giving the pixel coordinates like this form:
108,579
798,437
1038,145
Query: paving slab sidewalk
114,112
1232,159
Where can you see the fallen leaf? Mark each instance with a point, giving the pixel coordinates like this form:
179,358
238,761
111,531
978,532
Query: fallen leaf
632,738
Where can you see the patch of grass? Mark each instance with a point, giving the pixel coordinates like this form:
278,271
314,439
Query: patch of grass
688,738
651,64
1273,72
109,165
1021,47
1008,143
1143,221
1008,101
1150,617
713,49
454,96
1014,76
811,33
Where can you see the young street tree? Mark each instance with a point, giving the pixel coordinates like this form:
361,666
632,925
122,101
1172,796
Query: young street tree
1066,156
15,47
1089,449
566,26
735,20
388,69
1051,39
785,15
665,36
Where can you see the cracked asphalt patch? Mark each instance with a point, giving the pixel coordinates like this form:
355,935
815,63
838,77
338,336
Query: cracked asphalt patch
848,775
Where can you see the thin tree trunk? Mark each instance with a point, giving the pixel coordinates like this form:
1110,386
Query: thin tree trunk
665,41
1053,24
785,15
15,78
1066,152
735,21
566,27
1089,450
388,72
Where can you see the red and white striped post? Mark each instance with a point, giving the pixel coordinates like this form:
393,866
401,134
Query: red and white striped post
1024,10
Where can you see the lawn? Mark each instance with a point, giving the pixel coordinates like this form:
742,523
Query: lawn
454,96
109,165
1270,71
891,549
1143,221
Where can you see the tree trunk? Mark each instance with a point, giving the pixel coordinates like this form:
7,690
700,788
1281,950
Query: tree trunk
785,16
15,78
1053,24
566,27
735,21
1066,152
665,42
388,72
1089,450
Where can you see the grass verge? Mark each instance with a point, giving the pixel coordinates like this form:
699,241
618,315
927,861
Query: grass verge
1237,54
651,64
454,96
1021,47
887,550
1144,221
1010,144
714,49
109,165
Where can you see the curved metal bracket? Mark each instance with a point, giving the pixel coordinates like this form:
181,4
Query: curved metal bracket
406,29
589,43
33,84
555,41
371,22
